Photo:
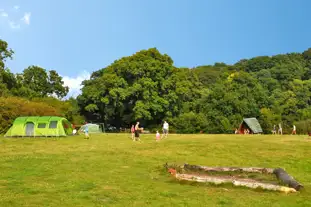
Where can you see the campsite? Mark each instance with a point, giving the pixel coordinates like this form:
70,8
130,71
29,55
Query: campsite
155,103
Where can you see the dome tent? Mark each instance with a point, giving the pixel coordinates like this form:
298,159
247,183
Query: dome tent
40,126
93,128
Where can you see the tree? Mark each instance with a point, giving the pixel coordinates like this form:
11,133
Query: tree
57,84
41,83
129,89
5,53
36,79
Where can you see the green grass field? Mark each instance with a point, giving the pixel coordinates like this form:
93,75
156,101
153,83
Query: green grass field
111,170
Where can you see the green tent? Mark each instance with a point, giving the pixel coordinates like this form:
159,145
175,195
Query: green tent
93,128
40,126
252,124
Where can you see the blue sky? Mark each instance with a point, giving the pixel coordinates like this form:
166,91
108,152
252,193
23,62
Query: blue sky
78,37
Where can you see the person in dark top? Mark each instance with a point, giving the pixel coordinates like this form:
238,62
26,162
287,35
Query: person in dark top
137,131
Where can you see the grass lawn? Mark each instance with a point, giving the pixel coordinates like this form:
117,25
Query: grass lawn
111,170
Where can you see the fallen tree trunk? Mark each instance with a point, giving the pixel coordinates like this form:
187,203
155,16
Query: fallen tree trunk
237,182
280,174
285,178
230,169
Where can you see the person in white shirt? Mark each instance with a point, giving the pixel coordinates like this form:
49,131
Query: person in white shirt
280,129
294,129
165,129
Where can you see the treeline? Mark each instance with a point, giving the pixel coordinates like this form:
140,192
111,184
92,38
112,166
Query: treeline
147,87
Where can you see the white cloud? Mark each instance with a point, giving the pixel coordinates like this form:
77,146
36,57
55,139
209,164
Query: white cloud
4,14
74,83
14,25
14,20
26,18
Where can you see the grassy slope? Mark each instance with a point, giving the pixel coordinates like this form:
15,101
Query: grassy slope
111,170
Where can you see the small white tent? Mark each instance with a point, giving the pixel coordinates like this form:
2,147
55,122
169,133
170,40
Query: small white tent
93,128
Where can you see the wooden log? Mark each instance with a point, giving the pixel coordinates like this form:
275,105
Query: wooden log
266,186
280,173
285,178
230,169
235,181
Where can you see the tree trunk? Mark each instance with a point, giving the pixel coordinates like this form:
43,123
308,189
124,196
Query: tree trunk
235,181
229,169
282,175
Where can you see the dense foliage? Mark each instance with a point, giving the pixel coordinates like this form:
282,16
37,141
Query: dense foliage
147,87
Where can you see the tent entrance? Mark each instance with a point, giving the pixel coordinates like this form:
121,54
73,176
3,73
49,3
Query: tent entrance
29,129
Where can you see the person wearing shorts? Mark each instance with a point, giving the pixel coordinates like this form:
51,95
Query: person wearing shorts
137,132
86,132
274,129
165,129
294,129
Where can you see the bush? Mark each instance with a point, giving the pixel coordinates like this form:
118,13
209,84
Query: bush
13,107
189,123
303,127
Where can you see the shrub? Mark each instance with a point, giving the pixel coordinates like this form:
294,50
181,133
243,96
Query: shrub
13,107
303,127
190,123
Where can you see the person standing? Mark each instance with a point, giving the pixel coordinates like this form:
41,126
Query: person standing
137,130
294,129
280,131
86,132
165,129
133,132
274,129
157,136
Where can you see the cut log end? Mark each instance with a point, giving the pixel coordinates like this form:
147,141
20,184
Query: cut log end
285,178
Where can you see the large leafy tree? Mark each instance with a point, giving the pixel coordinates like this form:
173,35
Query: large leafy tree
145,86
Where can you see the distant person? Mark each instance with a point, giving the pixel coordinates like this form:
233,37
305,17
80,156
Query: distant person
74,131
86,132
133,132
165,129
274,129
158,136
236,131
137,131
294,129
280,131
